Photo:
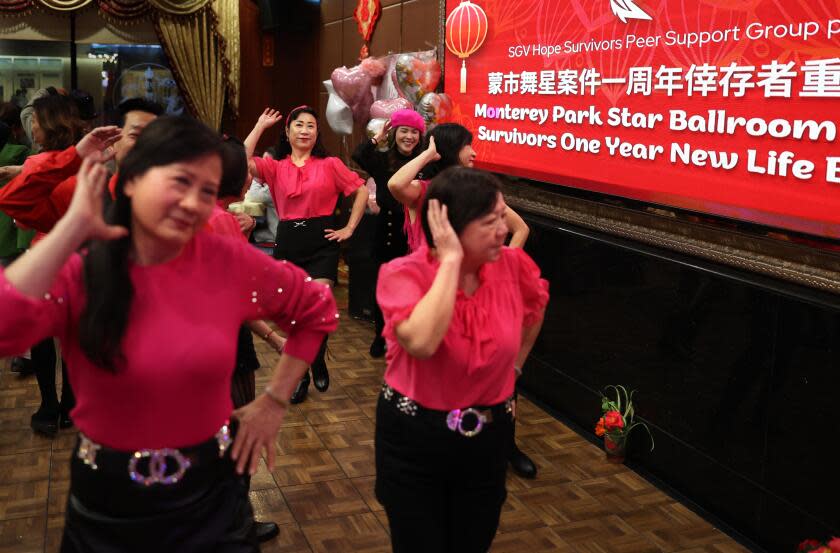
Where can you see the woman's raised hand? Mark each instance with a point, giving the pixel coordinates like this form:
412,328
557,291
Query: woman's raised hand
447,243
97,144
269,118
87,203
383,133
431,152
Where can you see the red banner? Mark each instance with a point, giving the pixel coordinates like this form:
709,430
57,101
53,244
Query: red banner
728,107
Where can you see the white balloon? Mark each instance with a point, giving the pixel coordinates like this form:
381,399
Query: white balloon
339,114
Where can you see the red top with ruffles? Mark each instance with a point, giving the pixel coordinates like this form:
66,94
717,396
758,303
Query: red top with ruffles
173,388
308,191
474,363
40,195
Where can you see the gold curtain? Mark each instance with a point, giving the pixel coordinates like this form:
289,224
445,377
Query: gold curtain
196,56
227,26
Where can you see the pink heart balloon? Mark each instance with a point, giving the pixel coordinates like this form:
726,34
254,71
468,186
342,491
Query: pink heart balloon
383,109
353,86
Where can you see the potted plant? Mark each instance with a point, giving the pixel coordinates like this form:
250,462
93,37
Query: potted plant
617,421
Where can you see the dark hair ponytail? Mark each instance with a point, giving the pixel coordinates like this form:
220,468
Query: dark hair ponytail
107,280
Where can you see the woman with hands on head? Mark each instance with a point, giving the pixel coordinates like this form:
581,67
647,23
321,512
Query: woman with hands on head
447,145
306,183
461,314
157,466
450,145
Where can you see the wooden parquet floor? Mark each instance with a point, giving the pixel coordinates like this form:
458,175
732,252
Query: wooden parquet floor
321,491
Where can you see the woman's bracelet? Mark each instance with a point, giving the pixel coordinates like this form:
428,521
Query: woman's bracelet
275,398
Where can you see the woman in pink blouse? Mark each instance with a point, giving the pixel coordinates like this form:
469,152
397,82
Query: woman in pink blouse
147,316
450,145
461,315
306,183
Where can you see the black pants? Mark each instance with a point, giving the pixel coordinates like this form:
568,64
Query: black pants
442,491
43,360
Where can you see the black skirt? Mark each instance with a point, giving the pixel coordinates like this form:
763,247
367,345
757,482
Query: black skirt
208,510
302,242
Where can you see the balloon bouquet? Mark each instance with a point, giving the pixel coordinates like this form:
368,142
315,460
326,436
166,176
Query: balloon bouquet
363,95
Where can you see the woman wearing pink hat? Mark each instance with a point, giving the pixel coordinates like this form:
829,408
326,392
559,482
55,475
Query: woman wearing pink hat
404,132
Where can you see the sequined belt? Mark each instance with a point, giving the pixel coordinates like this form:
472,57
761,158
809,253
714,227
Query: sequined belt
148,467
468,422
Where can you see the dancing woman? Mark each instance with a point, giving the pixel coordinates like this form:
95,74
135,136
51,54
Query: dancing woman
403,131
461,314
150,358
306,183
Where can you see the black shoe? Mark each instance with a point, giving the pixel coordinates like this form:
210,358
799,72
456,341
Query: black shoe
264,531
21,366
301,391
46,424
320,375
377,347
64,421
522,464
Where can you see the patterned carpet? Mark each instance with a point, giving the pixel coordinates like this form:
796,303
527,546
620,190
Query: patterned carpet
321,492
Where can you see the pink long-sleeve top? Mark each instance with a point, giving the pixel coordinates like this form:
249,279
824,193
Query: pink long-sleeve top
414,229
173,388
308,191
474,363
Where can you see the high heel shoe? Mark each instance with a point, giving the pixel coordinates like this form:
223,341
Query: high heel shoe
44,423
301,391
320,375
377,347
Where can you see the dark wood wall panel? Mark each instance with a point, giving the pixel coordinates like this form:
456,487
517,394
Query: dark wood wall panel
294,78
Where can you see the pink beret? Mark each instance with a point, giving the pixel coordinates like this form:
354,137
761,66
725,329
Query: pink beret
408,118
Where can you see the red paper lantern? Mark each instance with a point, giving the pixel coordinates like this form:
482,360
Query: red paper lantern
366,14
466,29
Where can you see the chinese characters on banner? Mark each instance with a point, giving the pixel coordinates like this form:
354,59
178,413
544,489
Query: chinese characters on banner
730,108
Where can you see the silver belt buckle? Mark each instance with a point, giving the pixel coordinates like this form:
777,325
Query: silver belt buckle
157,467
87,451
223,439
299,224
455,421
